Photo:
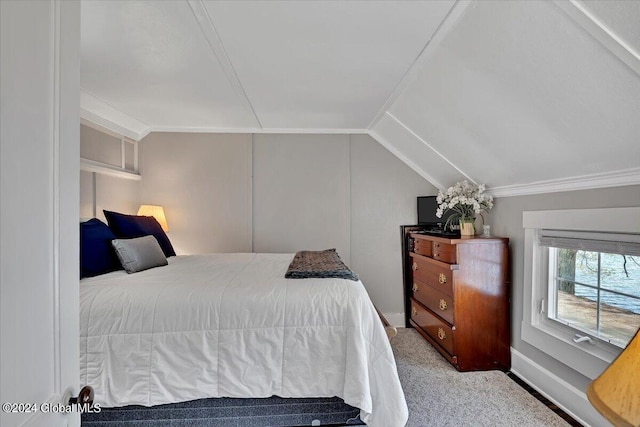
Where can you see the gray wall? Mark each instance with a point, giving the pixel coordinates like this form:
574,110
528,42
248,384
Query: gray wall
506,220
99,146
203,181
283,193
100,192
301,193
383,197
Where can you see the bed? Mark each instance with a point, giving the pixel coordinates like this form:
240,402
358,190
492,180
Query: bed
231,325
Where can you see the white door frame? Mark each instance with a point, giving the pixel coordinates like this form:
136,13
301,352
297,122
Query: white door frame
40,114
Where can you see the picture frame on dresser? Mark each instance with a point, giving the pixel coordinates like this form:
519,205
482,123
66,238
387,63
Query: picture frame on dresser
457,296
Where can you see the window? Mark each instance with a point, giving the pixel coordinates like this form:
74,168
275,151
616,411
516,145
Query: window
594,291
582,284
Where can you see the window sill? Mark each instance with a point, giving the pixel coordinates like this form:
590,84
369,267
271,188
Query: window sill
590,359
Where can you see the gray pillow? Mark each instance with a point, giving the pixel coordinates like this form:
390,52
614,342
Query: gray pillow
139,254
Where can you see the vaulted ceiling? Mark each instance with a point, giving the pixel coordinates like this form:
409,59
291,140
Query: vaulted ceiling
526,96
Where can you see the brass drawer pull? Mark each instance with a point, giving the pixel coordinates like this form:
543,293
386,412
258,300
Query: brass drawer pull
441,334
414,311
443,305
442,279
414,267
415,287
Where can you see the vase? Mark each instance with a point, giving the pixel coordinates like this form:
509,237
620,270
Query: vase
467,228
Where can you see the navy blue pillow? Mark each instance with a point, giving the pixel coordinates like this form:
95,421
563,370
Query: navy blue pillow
97,255
131,226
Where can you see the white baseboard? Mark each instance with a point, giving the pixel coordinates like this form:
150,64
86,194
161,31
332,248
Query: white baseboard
395,319
571,400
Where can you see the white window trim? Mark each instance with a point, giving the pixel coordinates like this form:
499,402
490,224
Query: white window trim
551,337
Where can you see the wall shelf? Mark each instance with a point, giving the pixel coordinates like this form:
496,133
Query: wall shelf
107,169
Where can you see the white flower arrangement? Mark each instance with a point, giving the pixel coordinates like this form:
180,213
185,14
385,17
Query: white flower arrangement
466,200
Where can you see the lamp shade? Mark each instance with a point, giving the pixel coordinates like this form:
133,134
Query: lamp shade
155,211
616,392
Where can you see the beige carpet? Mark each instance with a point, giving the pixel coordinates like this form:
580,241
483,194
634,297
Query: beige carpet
438,395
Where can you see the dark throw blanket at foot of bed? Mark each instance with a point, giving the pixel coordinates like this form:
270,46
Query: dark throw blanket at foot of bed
319,264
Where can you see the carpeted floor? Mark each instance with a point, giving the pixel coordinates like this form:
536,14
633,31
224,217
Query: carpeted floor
438,395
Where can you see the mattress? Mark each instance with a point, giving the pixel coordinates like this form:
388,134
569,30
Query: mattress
231,325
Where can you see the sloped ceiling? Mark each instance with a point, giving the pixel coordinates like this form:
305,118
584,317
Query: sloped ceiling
257,65
525,96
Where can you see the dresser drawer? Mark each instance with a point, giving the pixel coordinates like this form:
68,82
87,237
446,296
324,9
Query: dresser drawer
439,277
440,331
444,252
422,247
438,302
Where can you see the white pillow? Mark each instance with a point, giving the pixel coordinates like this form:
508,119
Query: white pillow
140,253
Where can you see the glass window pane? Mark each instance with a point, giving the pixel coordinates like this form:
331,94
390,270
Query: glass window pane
578,309
566,269
621,273
586,267
597,293
619,318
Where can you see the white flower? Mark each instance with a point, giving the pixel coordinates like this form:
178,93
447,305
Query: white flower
465,199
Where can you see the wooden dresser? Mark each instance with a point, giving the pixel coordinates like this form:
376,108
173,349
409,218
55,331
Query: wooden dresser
457,297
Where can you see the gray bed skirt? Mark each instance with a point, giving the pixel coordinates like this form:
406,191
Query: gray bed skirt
230,412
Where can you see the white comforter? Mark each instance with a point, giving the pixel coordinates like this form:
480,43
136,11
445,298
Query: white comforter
231,325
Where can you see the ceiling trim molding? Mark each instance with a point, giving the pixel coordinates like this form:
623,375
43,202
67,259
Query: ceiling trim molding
576,11
98,120
432,148
447,24
619,178
179,129
214,41
105,130
386,144
98,112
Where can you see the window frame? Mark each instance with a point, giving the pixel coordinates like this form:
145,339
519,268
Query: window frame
551,336
601,290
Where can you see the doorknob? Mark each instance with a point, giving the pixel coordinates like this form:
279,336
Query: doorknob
85,397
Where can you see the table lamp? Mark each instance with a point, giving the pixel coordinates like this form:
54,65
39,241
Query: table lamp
155,211
616,392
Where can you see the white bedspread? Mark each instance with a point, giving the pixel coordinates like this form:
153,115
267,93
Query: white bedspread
231,325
